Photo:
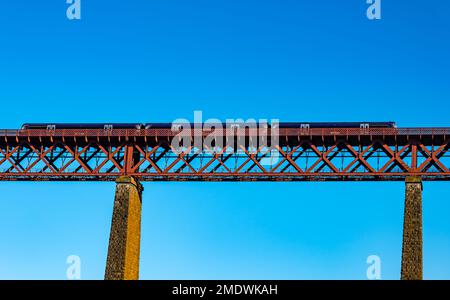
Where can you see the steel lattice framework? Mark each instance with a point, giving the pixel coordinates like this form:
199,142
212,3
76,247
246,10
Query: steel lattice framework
148,154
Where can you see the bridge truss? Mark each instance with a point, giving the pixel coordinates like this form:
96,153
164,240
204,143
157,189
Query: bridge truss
326,154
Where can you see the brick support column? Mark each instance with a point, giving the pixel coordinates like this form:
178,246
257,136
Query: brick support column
124,241
412,230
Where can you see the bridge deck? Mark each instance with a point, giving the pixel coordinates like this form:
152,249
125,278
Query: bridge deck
325,154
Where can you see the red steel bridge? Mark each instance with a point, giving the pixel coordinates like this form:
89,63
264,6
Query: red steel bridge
129,156
147,154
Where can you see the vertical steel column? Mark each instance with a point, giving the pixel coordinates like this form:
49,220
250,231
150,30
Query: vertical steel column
124,241
412,267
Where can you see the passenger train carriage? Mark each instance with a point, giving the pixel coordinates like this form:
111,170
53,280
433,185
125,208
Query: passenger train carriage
110,126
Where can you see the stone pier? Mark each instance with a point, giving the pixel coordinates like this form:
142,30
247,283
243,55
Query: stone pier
412,267
125,237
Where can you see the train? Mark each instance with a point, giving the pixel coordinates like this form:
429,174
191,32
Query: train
110,126
365,125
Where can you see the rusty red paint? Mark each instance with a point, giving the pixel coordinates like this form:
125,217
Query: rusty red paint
325,154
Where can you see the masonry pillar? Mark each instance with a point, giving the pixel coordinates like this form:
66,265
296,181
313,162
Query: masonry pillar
124,241
412,230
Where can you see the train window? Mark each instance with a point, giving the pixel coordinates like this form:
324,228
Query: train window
51,127
304,126
234,126
108,127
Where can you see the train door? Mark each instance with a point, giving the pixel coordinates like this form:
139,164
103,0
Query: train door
364,128
108,127
304,129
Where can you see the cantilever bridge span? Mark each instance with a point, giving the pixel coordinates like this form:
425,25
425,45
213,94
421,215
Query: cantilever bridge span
129,156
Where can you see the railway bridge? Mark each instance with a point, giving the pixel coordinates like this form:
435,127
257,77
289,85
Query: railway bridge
130,156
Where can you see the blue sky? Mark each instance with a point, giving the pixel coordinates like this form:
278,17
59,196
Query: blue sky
151,61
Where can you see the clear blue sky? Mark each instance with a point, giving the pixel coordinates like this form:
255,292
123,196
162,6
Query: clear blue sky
150,61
